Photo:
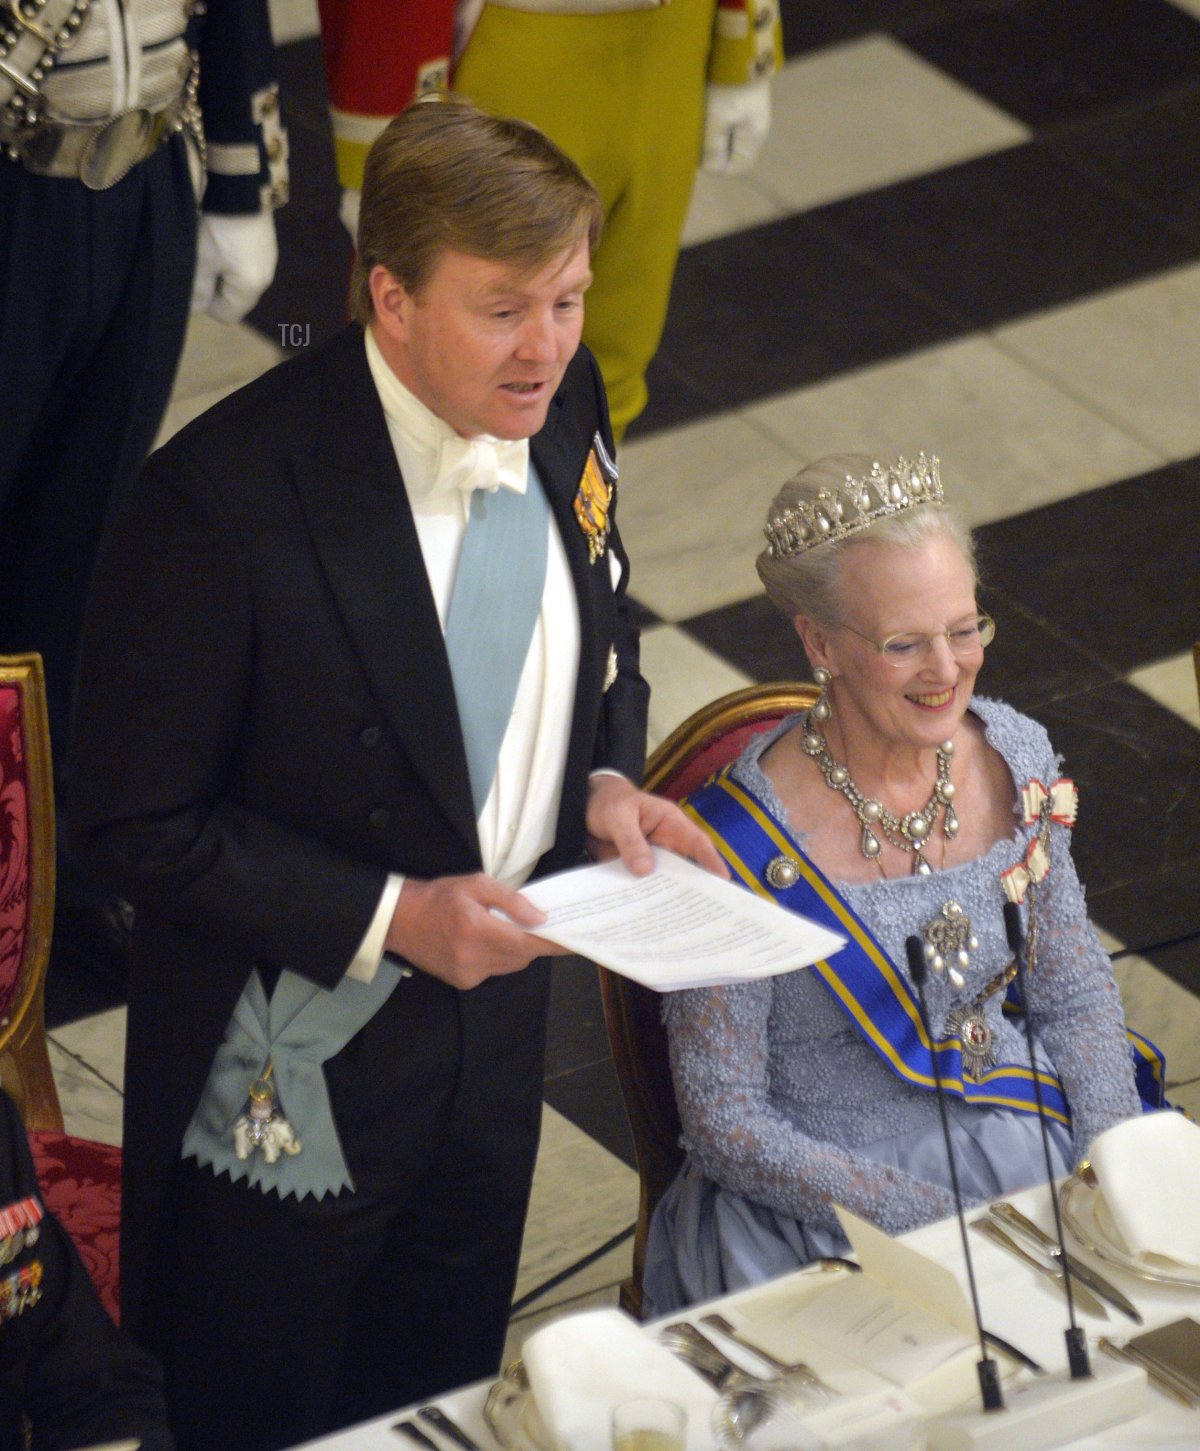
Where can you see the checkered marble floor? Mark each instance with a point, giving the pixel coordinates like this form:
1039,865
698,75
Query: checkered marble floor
975,229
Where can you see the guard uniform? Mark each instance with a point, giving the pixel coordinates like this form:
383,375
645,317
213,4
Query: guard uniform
618,84
64,1366
98,214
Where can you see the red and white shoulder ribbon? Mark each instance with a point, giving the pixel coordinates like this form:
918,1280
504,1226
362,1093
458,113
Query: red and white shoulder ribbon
1062,797
1060,803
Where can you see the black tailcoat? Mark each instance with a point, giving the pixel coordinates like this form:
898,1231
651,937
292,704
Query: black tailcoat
267,723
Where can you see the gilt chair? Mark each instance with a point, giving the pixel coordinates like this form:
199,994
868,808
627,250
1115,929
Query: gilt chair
694,751
80,1179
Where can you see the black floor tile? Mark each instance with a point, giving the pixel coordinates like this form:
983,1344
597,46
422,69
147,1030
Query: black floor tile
1180,958
674,397
1148,155
758,313
590,1098
754,637
1003,235
1053,61
642,615
1115,570
76,989
1030,662
1138,770
1153,909
810,24
576,1033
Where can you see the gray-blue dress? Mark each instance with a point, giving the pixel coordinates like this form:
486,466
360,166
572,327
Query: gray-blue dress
787,1109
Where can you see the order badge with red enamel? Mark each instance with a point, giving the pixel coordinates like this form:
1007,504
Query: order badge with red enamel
978,1041
593,498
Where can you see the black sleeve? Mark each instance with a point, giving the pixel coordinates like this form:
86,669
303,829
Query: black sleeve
239,103
77,1378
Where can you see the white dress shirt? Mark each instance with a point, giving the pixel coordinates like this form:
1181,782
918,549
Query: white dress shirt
518,820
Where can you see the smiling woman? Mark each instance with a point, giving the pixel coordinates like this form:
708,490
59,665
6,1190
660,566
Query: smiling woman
898,805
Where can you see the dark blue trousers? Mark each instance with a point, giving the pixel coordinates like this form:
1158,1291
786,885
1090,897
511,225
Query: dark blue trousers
94,295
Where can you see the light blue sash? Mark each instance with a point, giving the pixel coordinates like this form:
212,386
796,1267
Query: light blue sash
494,606
299,1030
861,979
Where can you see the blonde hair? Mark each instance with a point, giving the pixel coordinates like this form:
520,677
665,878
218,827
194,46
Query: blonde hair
445,176
809,583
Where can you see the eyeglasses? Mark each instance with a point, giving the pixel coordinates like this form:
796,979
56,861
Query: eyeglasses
910,649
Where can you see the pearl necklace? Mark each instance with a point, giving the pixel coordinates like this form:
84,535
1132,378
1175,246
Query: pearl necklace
909,833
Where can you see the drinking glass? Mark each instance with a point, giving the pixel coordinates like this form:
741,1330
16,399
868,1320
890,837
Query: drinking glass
651,1423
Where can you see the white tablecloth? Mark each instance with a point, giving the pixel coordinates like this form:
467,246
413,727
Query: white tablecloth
1015,1303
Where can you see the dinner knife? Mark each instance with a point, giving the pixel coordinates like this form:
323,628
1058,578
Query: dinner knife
1083,1297
1011,1216
450,1429
414,1433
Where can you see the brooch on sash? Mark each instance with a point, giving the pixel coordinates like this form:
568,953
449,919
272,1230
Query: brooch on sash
1043,804
949,943
20,1290
19,1223
263,1127
593,498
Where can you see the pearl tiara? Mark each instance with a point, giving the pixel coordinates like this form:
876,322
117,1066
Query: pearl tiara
838,512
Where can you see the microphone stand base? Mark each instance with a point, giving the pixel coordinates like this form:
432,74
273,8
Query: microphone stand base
1046,1410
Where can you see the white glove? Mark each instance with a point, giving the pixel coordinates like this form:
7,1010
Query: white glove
348,212
736,122
235,262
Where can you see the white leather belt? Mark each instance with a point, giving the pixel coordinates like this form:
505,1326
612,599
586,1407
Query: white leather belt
97,153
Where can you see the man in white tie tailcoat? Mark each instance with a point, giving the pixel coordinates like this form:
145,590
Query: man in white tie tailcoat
320,759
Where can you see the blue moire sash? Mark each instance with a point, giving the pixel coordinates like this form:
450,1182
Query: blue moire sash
861,979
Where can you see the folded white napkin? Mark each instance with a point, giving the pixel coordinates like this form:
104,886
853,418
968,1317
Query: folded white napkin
1148,1169
582,1366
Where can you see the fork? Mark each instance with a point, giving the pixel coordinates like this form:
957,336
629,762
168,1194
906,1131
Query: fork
781,1367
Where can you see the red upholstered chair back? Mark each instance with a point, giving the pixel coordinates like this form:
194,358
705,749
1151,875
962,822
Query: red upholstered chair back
26,889
705,742
80,1180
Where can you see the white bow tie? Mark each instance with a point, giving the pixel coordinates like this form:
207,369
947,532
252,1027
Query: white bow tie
468,464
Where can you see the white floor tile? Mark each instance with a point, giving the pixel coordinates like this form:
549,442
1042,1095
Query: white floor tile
91,1107
860,115
1008,439
692,505
99,1042
1172,682
218,355
1160,1009
294,20
1132,353
683,676
725,204
582,1196
1188,1098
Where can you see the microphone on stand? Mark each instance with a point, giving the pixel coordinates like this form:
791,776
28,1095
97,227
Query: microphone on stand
1077,1351
989,1376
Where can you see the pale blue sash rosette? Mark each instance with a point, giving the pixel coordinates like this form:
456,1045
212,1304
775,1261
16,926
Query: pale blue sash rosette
297,1032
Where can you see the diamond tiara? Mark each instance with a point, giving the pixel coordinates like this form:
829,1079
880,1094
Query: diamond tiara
838,512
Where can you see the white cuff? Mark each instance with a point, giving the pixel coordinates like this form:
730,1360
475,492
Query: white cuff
370,950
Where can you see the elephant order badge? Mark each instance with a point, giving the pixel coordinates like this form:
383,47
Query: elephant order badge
263,1127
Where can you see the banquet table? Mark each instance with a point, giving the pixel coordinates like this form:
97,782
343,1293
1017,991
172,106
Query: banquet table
1015,1303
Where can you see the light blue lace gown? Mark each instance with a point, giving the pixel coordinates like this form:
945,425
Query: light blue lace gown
786,1109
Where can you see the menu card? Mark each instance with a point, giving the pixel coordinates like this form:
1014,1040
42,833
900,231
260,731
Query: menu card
904,1321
